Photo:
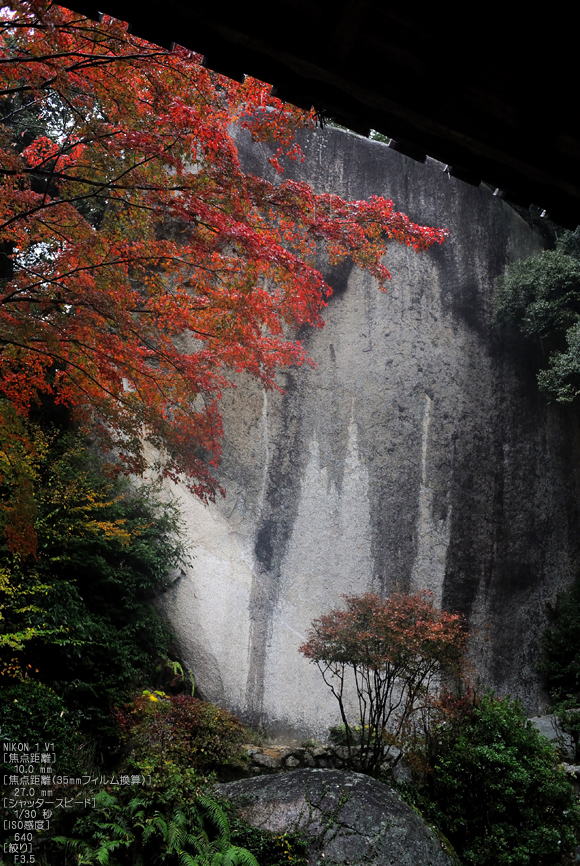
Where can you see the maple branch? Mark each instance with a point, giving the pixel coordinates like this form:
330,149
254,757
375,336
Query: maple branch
102,185
66,362
6,118
61,175
10,299
104,58
46,352
96,63
79,304
130,259
58,202
138,371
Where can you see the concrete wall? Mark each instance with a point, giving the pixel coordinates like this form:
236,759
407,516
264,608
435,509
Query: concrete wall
417,454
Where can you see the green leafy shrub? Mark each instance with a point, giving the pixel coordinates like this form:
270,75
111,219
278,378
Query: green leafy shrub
541,295
561,645
496,790
30,711
561,660
179,730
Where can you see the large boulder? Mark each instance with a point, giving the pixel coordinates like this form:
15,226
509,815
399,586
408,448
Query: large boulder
345,818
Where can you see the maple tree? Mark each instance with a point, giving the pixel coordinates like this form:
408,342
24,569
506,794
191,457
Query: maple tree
394,651
141,266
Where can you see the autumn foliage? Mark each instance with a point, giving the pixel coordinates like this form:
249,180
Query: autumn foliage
141,266
394,651
180,730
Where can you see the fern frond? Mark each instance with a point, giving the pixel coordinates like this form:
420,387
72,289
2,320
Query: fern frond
77,848
186,859
199,842
156,824
236,856
217,817
177,831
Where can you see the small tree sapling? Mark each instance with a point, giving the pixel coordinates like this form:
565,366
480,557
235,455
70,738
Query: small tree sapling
397,649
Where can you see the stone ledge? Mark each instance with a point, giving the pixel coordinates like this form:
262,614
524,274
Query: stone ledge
272,759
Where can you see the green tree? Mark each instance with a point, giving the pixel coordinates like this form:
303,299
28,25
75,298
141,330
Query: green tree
541,295
561,645
79,617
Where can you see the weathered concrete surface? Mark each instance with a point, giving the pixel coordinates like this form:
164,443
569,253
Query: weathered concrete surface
418,453
344,817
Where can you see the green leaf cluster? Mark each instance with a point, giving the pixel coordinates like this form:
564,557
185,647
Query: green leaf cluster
80,616
561,645
541,295
34,708
496,790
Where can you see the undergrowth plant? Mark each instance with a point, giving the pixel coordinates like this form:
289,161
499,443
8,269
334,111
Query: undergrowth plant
173,746
176,744
561,660
179,730
494,786
147,829
561,645
270,849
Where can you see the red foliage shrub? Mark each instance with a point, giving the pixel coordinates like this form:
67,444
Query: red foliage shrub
179,730
397,650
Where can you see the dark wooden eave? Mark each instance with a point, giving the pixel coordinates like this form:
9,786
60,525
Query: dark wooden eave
491,95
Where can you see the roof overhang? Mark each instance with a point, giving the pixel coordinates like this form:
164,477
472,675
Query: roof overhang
492,97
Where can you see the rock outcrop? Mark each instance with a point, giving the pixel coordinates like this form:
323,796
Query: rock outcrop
418,453
550,728
345,817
